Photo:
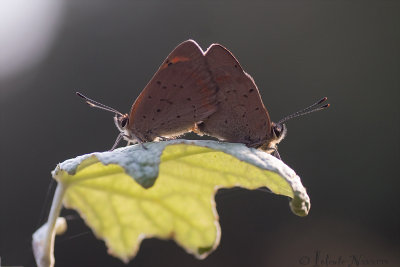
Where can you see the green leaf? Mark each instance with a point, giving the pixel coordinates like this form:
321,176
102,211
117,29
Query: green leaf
167,191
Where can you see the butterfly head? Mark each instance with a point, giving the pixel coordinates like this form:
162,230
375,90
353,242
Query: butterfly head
122,122
279,132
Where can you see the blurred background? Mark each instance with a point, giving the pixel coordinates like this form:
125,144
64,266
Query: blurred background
296,51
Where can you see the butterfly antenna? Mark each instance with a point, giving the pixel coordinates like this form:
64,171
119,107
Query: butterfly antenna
95,104
314,107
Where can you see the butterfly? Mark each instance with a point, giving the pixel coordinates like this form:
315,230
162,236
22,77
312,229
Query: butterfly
241,116
181,94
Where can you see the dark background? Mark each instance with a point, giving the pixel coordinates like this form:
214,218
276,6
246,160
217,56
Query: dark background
297,52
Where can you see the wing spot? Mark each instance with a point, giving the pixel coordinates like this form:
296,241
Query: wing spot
257,108
164,87
181,86
149,96
234,91
166,100
251,90
178,116
226,121
144,117
193,106
169,64
162,123
152,119
158,82
158,110
228,91
226,99
235,66
247,124
188,99
174,84
244,95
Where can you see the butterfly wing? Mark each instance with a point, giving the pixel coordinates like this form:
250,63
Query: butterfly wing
241,116
180,94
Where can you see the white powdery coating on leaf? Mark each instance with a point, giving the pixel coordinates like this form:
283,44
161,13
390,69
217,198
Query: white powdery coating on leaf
142,164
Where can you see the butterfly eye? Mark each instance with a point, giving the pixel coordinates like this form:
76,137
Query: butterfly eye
277,130
124,122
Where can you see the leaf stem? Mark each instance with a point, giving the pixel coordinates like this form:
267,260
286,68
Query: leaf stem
43,238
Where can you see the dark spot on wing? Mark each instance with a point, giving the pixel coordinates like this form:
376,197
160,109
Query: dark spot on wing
158,82
235,66
244,95
228,91
164,87
178,116
174,84
144,117
169,64
181,86
166,100
257,108
158,110
226,99
226,121
251,90
149,96
188,99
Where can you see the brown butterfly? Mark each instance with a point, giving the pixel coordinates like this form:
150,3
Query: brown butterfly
181,94
241,116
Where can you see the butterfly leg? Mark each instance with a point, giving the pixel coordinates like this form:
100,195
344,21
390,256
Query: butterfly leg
129,139
162,138
119,137
274,152
141,143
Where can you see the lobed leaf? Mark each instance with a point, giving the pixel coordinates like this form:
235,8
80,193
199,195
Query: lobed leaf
167,191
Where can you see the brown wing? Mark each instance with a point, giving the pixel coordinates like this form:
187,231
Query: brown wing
180,94
241,115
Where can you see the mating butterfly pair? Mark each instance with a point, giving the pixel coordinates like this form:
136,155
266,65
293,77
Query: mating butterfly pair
205,92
